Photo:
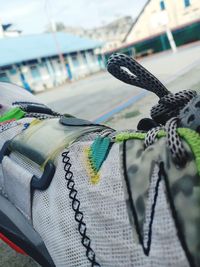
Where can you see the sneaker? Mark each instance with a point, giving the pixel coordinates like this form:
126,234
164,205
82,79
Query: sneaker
75,193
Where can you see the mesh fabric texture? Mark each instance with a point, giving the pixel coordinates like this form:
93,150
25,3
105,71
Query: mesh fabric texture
7,132
103,205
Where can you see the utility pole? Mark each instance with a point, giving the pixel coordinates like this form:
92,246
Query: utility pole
54,35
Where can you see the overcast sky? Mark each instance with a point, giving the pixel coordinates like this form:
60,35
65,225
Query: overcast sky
31,16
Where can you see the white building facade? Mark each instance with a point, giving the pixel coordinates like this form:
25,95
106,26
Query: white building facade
159,14
45,72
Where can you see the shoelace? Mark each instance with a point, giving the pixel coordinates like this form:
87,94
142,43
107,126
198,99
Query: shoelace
178,152
165,113
170,105
36,110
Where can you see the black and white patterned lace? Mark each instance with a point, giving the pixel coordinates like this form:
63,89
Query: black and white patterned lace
40,116
128,70
36,110
174,143
151,136
166,113
170,105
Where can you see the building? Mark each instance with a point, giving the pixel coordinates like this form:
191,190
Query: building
111,34
148,32
159,14
6,30
46,60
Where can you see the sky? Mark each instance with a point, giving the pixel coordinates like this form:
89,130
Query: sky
32,16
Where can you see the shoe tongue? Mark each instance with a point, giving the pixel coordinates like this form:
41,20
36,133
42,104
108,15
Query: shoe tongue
190,115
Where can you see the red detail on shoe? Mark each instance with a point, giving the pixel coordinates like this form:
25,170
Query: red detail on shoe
8,121
12,245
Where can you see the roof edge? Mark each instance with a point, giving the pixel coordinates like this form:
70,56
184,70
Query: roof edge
146,4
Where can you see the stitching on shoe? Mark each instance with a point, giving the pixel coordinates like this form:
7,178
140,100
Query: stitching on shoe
86,242
180,235
146,248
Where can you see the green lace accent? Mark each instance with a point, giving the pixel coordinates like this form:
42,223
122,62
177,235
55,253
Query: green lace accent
126,136
141,136
191,137
13,114
161,133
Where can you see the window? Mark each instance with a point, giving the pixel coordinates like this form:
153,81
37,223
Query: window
187,3
13,71
75,60
84,58
35,72
4,77
162,5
